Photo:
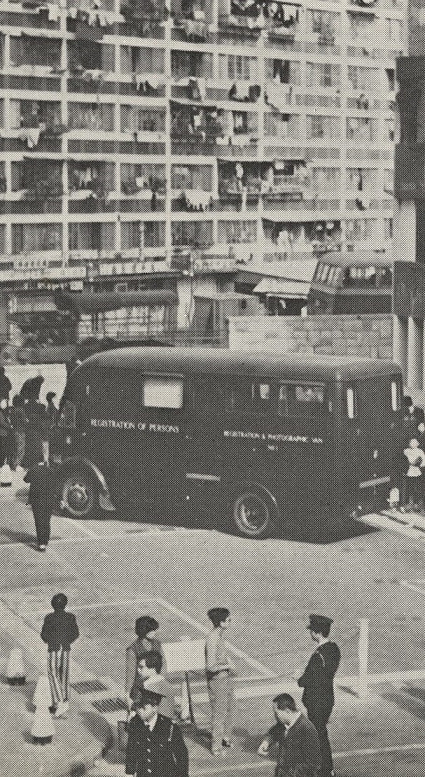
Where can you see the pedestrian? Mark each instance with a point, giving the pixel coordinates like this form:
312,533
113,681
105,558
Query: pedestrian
52,411
146,628
296,738
155,747
36,436
220,674
31,387
148,676
5,385
415,457
6,433
19,421
317,681
42,498
59,631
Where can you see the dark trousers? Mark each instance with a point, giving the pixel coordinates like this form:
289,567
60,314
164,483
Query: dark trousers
42,524
414,489
319,716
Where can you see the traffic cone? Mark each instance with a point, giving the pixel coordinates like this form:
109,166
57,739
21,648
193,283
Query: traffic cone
42,729
15,671
5,476
42,696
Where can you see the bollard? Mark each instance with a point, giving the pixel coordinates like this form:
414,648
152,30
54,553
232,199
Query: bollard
15,670
363,657
42,696
5,476
42,729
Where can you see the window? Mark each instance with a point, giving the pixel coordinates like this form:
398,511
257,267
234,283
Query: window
302,399
249,397
163,392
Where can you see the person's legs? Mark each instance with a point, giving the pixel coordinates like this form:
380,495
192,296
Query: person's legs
319,717
217,690
231,704
64,675
53,673
42,526
19,449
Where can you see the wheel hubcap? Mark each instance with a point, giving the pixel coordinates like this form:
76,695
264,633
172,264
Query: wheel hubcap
78,496
252,513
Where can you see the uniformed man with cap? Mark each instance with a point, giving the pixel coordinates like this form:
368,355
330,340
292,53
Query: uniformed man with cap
317,681
155,744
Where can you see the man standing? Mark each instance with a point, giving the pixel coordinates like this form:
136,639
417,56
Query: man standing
317,681
220,672
42,498
59,631
155,745
296,738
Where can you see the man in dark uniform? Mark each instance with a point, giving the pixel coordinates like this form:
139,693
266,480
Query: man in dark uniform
317,681
42,498
155,744
296,738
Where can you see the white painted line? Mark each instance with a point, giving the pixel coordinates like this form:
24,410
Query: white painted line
413,587
91,535
200,627
93,606
231,767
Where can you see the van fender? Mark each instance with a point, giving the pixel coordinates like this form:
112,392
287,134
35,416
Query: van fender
256,486
74,462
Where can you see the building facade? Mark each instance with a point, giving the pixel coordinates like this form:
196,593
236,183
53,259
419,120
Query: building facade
409,214
139,137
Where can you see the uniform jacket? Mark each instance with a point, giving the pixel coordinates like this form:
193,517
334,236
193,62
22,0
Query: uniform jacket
154,754
299,749
59,630
318,676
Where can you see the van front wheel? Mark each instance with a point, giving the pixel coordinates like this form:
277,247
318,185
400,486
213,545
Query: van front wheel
253,514
80,495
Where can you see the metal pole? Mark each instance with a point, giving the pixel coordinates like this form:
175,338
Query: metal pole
363,657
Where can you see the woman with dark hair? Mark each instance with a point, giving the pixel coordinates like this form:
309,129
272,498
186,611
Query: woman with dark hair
145,628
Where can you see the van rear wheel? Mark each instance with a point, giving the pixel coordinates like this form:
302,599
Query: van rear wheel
253,514
80,495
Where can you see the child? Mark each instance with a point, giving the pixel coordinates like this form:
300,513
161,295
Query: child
416,459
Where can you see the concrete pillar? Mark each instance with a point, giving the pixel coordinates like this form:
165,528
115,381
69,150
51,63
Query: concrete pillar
414,353
423,351
405,224
400,343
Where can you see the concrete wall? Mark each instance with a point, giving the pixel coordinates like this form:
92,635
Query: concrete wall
350,335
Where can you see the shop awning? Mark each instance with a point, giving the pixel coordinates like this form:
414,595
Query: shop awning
280,288
100,302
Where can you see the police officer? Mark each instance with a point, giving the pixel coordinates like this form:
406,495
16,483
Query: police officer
155,744
317,681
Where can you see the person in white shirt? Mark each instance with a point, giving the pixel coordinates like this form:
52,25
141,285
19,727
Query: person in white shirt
416,462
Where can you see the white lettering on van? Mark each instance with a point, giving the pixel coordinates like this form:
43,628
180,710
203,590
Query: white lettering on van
164,428
111,423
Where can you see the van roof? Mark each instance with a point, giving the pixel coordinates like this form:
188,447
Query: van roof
220,361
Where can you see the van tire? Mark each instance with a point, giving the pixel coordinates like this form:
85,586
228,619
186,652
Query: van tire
253,513
80,495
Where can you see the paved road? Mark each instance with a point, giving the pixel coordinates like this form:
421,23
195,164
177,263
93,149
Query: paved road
114,571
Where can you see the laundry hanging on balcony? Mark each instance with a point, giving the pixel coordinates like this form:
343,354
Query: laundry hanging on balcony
197,199
197,88
31,136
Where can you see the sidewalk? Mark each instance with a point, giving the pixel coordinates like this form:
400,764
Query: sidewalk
78,742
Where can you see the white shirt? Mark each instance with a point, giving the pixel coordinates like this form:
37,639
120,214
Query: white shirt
151,723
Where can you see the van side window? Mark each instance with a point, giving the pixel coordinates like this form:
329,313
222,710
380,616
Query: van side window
350,402
249,396
163,392
302,399
395,395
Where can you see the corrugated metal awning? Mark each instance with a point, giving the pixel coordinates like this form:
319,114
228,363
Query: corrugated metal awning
281,288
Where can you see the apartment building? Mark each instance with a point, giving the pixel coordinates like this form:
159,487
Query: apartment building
136,136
